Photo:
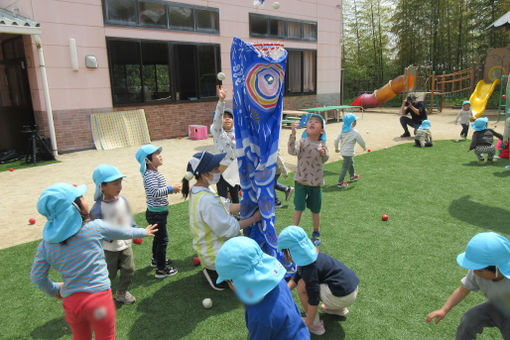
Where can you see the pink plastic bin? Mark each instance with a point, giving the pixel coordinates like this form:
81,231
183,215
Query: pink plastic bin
197,132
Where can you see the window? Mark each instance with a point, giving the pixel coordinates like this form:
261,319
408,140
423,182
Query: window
161,14
145,71
300,73
274,27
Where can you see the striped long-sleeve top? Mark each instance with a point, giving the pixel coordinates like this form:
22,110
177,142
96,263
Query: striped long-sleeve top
156,190
80,261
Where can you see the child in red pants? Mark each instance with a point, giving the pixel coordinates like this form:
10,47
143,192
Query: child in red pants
74,249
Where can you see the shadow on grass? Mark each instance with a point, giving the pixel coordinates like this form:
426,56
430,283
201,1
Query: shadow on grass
504,173
482,163
479,214
335,188
334,329
176,309
53,329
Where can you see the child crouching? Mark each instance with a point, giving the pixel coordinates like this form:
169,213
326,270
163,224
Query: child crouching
318,277
423,135
483,139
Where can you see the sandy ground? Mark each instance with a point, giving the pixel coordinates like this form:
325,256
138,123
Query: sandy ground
21,188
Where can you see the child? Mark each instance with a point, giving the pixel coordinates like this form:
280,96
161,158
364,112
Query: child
465,115
482,140
349,136
423,137
487,258
312,152
257,279
318,277
210,216
224,142
156,192
113,208
281,169
85,289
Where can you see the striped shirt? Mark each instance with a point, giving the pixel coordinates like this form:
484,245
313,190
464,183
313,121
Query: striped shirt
156,190
81,261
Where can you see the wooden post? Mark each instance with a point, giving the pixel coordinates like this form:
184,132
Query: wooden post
473,70
432,91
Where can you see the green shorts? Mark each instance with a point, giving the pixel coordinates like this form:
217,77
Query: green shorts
311,195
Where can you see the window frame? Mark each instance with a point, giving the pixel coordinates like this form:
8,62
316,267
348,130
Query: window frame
172,70
285,36
168,26
301,92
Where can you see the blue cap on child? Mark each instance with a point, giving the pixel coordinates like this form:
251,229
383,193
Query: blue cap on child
301,248
349,119
425,125
56,204
466,102
143,152
487,249
310,115
104,173
252,272
480,124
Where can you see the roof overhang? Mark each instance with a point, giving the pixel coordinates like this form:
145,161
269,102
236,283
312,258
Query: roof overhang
501,22
17,24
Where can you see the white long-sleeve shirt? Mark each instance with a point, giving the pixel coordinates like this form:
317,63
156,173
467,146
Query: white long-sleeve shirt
224,141
464,116
349,140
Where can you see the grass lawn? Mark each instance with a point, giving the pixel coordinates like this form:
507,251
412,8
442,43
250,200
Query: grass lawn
21,164
436,198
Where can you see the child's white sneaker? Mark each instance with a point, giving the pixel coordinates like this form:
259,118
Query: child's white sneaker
318,328
125,298
342,185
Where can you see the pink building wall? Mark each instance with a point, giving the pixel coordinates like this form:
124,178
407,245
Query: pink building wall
76,94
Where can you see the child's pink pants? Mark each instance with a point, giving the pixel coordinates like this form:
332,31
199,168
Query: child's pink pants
87,312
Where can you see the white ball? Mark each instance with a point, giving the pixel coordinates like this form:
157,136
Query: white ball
207,303
221,76
276,5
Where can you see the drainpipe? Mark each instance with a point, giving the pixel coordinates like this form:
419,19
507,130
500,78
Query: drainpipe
47,99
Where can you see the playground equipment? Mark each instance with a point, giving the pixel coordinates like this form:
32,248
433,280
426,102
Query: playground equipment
504,96
480,96
403,83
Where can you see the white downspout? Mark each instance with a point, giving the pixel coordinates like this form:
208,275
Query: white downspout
47,99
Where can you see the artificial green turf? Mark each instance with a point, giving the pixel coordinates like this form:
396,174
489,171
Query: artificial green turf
21,164
436,198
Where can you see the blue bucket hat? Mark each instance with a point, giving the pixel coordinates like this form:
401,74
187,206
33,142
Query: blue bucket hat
56,204
301,248
310,115
349,119
487,249
104,173
466,102
202,163
143,152
425,125
480,124
252,272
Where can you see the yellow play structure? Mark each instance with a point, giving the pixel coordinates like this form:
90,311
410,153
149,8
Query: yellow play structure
481,95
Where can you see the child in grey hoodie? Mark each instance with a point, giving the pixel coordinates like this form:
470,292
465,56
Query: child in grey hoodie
349,136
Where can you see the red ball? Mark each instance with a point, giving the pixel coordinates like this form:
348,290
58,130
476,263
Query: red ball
137,240
369,150
31,220
196,261
11,169
384,217
503,97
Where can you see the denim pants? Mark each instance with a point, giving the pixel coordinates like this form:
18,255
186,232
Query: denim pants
160,238
279,187
465,129
479,317
347,165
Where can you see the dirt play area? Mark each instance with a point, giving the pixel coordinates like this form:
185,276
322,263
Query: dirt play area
21,188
